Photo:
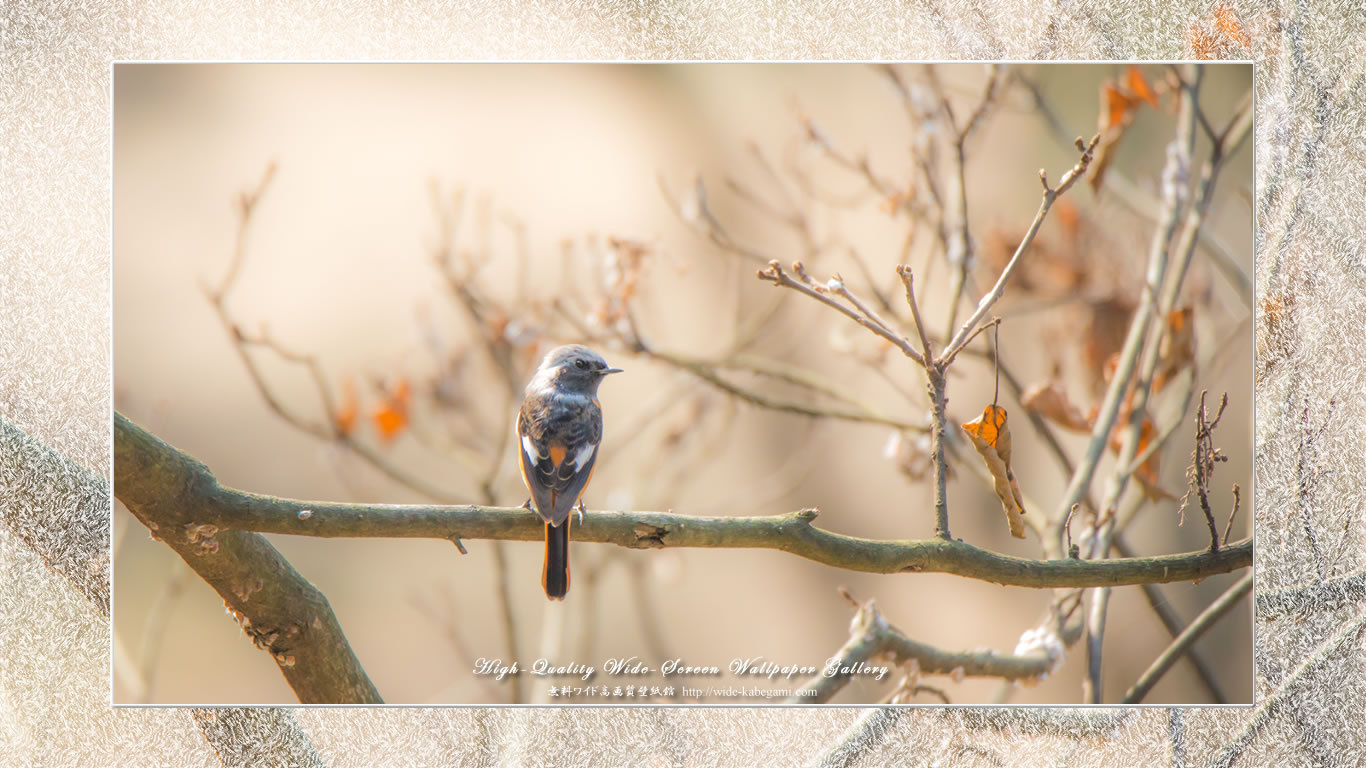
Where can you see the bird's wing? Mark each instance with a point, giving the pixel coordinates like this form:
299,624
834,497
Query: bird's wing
558,449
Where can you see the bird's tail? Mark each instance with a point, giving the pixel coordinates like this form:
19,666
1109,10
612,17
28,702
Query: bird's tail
555,573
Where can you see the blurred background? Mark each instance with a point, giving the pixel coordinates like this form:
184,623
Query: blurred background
428,231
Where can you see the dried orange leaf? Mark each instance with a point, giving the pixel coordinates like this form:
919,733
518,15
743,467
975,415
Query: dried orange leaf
1202,42
388,420
1226,21
991,438
1273,333
1048,399
1106,326
1117,107
1147,472
391,416
1138,86
1177,348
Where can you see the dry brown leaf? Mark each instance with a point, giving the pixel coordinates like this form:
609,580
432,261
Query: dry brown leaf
1177,348
1049,270
1147,472
1273,337
1107,325
1115,115
1105,154
991,437
1049,399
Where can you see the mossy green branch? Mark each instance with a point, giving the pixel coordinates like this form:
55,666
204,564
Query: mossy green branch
176,497
150,470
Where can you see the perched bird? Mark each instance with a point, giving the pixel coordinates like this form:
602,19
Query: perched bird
559,430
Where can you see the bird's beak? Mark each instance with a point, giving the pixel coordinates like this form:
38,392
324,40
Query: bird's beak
606,371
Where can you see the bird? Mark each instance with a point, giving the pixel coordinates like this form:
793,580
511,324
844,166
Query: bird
559,429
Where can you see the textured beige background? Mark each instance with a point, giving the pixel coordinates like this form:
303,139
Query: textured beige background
54,365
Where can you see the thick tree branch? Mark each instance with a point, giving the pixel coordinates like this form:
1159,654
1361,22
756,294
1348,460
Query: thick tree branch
1321,596
149,471
277,607
59,509
258,736
1347,633
36,481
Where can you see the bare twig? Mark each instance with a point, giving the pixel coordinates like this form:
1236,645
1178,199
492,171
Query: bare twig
1175,625
1158,258
1050,195
872,638
908,280
1319,596
1308,480
154,632
707,371
1143,202
775,274
1138,329
1228,525
1186,640
1346,633
1072,550
1201,469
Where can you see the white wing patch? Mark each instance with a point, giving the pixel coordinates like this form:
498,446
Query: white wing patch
581,458
530,449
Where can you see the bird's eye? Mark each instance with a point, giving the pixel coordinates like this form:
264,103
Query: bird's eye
580,363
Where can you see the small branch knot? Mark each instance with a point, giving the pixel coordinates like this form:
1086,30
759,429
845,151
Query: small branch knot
649,536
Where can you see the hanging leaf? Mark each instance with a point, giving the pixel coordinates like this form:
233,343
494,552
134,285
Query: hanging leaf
1273,333
1117,107
991,438
1106,324
1176,351
1118,102
1049,400
1139,87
